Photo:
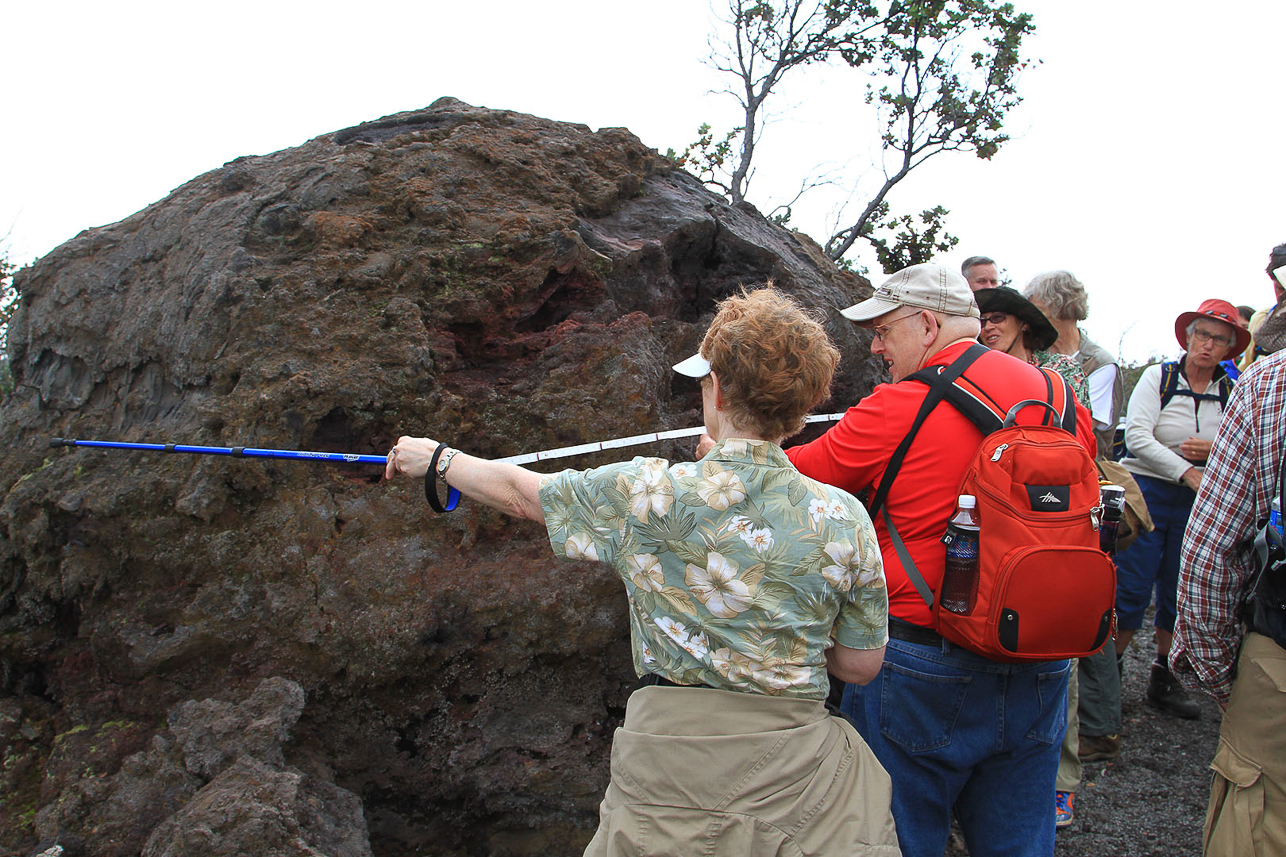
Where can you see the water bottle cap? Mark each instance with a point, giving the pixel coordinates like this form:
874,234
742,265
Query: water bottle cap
968,501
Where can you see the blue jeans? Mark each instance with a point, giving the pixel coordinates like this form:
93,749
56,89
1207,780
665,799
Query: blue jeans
954,729
1152,560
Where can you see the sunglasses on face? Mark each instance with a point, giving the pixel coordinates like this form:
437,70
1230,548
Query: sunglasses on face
995,318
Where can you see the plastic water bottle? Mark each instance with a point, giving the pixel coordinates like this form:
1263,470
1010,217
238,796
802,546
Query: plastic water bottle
1112,498
959,591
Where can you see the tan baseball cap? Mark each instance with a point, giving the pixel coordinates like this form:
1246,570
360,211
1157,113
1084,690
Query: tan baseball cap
925,286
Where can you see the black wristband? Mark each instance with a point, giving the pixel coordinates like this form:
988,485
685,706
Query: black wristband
431,488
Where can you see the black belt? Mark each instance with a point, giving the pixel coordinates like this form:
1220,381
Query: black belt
908,633
654,680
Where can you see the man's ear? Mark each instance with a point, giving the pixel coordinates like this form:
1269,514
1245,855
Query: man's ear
931,326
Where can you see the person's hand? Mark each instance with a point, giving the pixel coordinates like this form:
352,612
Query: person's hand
705,445
1192,478
411,456
1195,449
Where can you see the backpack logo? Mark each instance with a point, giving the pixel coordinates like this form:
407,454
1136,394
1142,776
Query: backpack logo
1049,498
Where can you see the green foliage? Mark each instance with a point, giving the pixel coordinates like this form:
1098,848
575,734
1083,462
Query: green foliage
910,243
704,157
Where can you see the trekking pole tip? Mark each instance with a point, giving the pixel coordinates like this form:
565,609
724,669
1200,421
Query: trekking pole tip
58,441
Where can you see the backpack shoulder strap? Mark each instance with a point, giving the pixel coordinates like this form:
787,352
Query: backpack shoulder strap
1225,390
1058,392
940,382
988,413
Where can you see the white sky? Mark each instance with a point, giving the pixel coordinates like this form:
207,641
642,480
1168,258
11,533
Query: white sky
1147,156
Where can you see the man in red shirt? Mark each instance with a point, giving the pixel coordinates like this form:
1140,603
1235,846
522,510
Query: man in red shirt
953,729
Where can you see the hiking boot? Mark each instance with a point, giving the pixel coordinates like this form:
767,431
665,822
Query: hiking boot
1098,748
1063,808
1166,694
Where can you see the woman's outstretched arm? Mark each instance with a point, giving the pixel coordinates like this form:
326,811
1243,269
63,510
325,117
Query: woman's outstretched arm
512,489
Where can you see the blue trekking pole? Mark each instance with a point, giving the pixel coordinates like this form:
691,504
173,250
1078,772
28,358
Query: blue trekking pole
430,485
453,496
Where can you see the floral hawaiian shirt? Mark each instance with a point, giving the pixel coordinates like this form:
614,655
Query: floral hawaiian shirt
1070,370
740,571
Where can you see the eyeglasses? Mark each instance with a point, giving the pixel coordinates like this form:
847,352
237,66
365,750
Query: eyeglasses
996,318
1202,335
882,330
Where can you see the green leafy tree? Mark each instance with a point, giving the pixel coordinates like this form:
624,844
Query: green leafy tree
943,77
909,243
704,157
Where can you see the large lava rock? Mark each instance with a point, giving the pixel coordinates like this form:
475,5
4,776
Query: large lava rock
499,281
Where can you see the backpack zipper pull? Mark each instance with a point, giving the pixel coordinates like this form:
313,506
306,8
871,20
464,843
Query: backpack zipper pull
995,456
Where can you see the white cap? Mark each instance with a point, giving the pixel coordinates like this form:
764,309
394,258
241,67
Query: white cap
1280,274
924,286
695,366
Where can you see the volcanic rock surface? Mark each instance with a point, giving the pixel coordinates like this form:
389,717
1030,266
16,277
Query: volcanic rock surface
499,281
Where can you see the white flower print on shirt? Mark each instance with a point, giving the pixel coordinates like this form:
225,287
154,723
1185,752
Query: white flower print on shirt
843,572
760,540
777,674
718,587
721,490
731,665
581,546
684,470
694,643
645,571
651,492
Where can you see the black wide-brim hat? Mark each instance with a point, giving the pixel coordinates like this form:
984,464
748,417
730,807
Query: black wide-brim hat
1005,299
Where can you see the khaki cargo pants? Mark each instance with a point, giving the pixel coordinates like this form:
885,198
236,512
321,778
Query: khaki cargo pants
1247,812
701,771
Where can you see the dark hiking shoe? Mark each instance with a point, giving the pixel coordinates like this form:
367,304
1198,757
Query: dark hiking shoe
1166,694
1099,748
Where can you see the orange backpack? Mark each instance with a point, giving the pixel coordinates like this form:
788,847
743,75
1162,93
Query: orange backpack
1045,589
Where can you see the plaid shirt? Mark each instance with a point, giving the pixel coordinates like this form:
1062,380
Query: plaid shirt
1218,546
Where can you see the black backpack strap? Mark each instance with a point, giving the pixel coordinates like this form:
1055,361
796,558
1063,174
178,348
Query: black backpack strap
1170,371
940,383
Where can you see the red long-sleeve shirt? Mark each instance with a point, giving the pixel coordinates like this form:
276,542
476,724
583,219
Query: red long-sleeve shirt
852,455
